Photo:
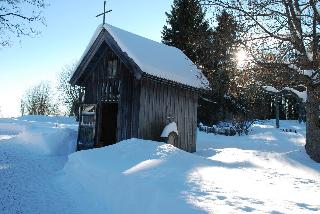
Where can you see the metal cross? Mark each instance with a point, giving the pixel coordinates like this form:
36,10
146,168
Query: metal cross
104,12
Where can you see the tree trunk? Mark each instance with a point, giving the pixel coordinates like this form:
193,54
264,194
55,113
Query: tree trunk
313,123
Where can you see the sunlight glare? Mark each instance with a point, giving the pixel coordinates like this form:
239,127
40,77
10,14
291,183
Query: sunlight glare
241,57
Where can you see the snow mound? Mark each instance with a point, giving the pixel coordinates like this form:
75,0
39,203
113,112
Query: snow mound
267,171
10,128
47,135
171,127
50,141
148,176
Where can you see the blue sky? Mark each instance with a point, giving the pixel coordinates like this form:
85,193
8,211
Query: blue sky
70,25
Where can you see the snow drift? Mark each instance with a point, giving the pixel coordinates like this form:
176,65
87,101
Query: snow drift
48,135
265,172
135,176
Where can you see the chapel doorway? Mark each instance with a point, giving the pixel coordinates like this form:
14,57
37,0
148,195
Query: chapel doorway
108,128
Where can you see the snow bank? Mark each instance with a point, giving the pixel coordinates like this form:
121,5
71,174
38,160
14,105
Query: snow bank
267,171
48,135
48,119
10,128
134,176
49,141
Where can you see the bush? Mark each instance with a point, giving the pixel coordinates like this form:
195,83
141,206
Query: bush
241,124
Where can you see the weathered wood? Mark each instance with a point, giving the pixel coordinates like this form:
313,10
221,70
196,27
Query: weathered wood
158,102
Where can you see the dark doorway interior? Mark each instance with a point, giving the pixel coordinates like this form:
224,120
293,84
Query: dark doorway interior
108,131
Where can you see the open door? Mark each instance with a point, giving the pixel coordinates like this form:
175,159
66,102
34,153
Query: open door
108,125
87,124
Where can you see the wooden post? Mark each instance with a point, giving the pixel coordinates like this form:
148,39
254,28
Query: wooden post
277,111
301,114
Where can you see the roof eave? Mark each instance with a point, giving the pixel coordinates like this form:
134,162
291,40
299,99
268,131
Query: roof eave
86,58
174,83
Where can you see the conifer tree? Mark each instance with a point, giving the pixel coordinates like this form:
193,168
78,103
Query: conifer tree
224,44
188,30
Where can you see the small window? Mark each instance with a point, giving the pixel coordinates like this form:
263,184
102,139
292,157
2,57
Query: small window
112,68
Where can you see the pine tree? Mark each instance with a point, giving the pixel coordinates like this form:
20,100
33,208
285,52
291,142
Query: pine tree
225,38
224,42
188,30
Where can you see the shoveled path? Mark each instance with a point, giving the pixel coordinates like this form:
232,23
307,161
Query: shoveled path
27,183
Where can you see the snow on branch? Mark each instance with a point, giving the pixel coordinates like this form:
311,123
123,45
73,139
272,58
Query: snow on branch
308,72
301,94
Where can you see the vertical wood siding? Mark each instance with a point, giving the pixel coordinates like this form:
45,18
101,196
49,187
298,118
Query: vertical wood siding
128,109
158,102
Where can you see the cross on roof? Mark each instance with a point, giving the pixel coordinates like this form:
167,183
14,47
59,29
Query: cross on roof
104,12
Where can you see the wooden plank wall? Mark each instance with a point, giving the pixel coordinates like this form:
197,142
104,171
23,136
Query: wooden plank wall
124,108
158,102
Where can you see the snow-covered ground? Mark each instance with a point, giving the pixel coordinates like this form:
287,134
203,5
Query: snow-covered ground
32,151
265,172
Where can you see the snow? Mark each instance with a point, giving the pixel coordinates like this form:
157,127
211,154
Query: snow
270,89
49,135
171,127
148,179
29,162
301,94
155,59
267,171
273,173
309,73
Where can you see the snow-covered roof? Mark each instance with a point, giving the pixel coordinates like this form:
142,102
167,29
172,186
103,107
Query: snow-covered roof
154,58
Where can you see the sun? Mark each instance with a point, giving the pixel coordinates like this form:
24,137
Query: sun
241,57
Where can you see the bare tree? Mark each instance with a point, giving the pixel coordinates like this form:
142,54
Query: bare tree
38,100
285,34
20,18
69,93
